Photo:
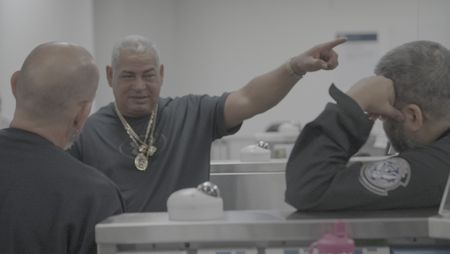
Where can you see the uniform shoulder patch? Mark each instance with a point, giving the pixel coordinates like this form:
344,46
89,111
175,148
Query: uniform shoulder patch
380,177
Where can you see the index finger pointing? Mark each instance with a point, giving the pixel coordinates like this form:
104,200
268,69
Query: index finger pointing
331,44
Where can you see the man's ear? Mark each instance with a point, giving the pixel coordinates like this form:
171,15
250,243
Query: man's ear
161,72
414,117
109,75
82,115
13,81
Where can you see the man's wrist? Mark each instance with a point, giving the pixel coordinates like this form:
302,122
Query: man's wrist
360,101
348,103
293,70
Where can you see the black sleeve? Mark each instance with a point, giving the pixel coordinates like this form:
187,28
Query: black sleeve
323,149
107,202
74,150
319,177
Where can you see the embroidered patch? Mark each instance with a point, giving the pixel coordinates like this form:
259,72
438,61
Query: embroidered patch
383,176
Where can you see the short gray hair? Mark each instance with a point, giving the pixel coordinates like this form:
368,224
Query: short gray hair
133,43
420,71
55,78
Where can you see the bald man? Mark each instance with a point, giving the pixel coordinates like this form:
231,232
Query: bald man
49,201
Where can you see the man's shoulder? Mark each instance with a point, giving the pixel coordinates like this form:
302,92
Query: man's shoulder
171,101
90,189
444,138
190,99
103,116
439,148
104,112
84,175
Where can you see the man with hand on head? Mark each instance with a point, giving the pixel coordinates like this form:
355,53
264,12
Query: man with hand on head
152,146
49,201
411,94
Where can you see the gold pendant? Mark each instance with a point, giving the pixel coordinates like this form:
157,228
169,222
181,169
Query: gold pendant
143,148
151,150
141,162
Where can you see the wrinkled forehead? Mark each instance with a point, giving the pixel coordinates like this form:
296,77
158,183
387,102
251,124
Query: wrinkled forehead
137,61
133,53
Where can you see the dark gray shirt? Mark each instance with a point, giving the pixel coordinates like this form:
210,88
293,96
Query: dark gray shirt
185,129
319,177
49,201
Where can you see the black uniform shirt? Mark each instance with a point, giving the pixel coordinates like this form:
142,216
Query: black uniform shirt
49,201
319,177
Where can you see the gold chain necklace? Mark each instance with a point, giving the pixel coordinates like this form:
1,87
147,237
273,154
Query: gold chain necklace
145,147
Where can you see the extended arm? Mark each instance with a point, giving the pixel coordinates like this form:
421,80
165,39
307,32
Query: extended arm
265,91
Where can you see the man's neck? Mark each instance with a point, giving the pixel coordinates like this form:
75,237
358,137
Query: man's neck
52,134
436,130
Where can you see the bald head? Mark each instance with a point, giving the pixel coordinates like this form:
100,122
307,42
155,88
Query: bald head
54,79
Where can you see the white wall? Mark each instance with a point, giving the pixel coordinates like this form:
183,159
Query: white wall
114,19
236,40
26,23
213,46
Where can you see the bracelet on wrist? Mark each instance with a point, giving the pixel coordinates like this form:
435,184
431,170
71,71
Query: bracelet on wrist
291,70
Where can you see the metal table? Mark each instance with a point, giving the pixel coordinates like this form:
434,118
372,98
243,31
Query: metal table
266,230
260,229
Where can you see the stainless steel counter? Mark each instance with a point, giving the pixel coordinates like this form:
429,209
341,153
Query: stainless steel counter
439,227
251,185
272,226
260,229
255,185
273,165
231,166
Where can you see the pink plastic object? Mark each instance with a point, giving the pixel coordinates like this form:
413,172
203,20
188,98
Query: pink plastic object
333,243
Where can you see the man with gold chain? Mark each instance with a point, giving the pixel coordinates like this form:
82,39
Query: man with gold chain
152,146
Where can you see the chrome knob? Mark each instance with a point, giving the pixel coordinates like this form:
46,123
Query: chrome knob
263,144
210,189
